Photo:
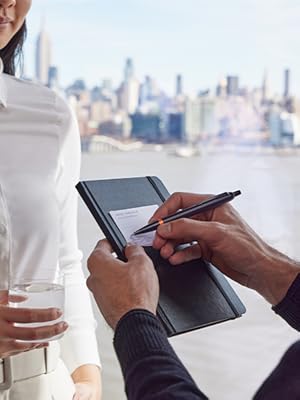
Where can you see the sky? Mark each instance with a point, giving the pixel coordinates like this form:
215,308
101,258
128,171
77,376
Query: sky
202,40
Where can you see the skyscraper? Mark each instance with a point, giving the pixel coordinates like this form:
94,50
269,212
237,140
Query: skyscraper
129,95
43,56
275,125
129,70
129,91
221,89
232,85
145,90
265,88
179,85
192,120
287,77
53,82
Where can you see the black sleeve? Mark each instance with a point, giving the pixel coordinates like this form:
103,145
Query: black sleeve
149,364
283,382
289,307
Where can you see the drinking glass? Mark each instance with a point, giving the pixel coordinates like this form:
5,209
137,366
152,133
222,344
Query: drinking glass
39,293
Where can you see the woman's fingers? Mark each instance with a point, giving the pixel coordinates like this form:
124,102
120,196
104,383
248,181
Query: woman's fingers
12,347
10,333
23,346
33,334
16,298
27,315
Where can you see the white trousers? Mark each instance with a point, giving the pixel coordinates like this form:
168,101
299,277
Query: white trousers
55,385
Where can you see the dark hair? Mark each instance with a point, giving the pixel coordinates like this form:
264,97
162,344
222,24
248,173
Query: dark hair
12,53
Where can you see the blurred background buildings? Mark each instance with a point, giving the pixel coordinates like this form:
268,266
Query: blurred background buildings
138,109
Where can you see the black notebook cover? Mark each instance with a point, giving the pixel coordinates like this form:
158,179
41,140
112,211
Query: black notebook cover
193,295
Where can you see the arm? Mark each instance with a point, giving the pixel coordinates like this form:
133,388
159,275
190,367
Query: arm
79,345
127,295
150,367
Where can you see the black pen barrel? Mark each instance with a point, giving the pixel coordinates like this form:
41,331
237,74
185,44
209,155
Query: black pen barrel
204,206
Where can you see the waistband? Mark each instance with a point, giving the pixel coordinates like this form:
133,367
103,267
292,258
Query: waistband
28,365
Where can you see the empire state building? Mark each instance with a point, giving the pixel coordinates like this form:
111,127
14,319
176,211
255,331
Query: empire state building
43,56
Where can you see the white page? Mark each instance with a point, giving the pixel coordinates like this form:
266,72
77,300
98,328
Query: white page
132,219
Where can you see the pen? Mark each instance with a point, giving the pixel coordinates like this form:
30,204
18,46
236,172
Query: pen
204,206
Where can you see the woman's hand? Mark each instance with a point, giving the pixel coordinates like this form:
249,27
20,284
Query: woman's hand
225,239
86,391
11,336
87,379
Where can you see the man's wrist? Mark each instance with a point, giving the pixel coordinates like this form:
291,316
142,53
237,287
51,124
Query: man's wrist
276,275
289,307
138,332
114,318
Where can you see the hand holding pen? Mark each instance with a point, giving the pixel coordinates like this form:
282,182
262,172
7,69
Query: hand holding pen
221,236
203,206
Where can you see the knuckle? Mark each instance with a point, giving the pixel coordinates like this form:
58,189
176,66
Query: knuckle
219,227
180,223
176,196
52,315
227,209
91,261
139,259
89,283
57,329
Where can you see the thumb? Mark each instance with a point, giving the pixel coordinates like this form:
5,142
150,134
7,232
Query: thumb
188,230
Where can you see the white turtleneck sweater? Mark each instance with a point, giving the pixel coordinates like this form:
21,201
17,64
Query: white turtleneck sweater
39,167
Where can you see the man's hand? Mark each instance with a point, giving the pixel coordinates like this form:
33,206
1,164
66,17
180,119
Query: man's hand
119,287
227,241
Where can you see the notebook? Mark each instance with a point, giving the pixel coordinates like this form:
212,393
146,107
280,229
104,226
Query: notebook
193,295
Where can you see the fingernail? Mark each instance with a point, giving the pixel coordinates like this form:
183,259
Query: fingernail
59,312
65,325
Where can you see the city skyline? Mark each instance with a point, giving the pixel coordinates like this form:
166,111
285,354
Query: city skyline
144,111
198,66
